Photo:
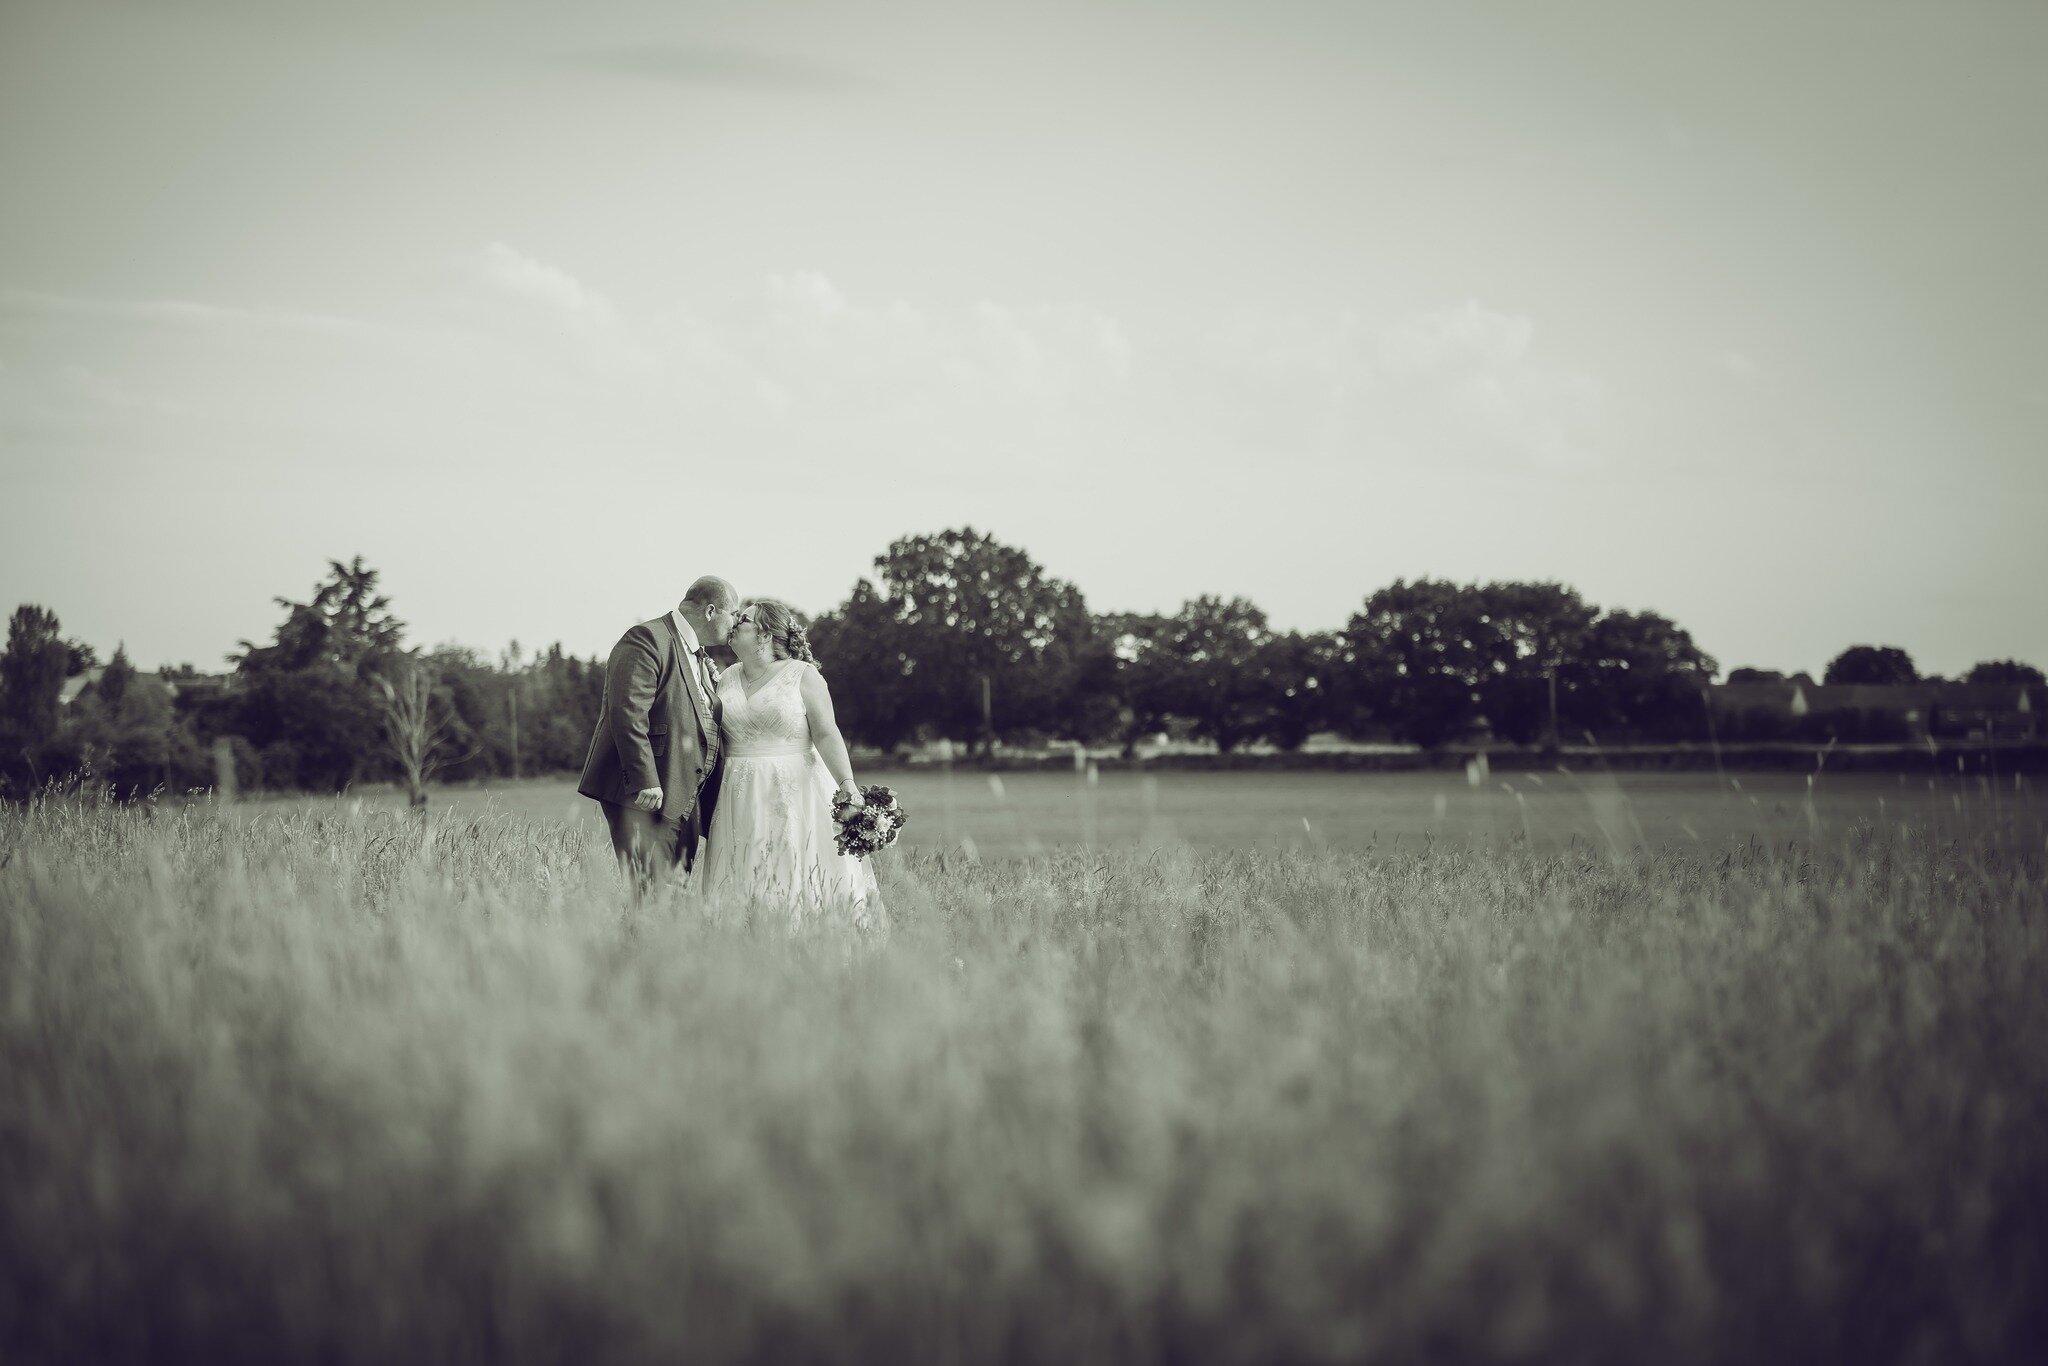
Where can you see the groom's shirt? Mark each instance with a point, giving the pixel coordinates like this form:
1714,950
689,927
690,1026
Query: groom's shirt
686,631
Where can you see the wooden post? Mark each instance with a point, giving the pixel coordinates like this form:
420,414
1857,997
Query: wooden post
226,784
988,725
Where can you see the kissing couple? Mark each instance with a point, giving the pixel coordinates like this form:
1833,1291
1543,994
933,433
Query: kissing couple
737,768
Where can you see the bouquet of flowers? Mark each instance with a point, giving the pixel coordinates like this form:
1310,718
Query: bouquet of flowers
864,829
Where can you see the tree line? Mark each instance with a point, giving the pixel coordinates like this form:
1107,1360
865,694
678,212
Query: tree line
960,634
955,635
334,698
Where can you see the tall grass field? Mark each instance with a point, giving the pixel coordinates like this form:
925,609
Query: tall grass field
338,1084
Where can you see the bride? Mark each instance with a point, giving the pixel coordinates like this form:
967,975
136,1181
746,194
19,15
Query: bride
771,839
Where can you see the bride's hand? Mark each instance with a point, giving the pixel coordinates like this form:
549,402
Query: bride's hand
849,795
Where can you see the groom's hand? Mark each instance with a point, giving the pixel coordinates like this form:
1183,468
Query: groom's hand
648,800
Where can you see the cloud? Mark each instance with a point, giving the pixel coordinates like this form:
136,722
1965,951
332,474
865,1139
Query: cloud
523,358
105,391
506,350
695,65
896,357
1461,386
28,308
501,266
1467,382
509,296
139,373
1739,364
1057,348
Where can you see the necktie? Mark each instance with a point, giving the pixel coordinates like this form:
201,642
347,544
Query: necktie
704,679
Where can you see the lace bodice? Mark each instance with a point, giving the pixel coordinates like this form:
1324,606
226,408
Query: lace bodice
770,722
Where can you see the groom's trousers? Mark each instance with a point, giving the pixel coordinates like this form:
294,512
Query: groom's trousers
648,846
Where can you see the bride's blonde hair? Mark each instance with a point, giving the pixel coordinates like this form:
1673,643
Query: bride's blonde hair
782,626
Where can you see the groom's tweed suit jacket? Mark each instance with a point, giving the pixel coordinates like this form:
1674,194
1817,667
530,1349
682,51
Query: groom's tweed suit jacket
651,732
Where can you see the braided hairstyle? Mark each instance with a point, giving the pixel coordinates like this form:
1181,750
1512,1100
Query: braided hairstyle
783,629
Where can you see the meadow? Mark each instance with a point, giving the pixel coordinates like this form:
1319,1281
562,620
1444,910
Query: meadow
326,1081
1025,814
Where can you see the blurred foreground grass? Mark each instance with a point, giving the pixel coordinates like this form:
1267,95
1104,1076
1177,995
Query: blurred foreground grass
337,1086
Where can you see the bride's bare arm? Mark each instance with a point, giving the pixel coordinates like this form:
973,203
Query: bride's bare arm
825,730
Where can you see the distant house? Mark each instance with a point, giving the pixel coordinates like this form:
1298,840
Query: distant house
1905,711
2005,711
185,683
78,683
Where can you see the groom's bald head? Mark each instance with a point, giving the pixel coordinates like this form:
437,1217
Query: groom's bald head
712,591
708,607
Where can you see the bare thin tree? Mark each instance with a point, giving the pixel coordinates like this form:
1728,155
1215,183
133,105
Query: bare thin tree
418,729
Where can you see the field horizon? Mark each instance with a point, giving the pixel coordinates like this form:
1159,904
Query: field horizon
1010,815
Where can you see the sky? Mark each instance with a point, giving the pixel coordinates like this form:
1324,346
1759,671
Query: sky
1731,312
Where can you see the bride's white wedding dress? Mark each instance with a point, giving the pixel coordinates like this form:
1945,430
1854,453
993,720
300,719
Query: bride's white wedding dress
771,838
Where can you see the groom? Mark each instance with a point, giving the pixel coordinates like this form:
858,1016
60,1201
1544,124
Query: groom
654,761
